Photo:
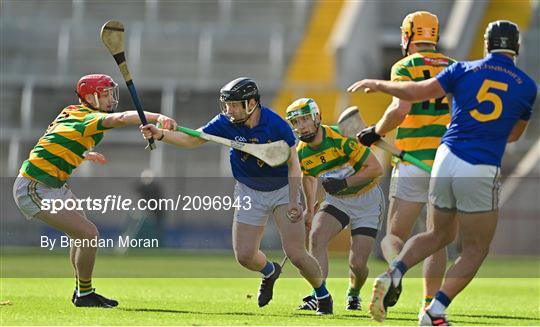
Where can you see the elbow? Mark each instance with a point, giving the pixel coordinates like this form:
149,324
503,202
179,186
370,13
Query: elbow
377,171
513,138
373,172
399,113
118,120
122,119
515,135
398,110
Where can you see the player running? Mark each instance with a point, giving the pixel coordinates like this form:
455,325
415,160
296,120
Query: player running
420,127
68,141
348,172
492,103
271,190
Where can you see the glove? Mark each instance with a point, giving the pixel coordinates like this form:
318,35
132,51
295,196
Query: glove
368,136
334,185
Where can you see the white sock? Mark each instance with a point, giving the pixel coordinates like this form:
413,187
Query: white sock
436,307
85,293
396,277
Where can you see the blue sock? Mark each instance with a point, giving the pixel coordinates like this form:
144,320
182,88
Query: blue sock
321,292
268,270
401,266
443,298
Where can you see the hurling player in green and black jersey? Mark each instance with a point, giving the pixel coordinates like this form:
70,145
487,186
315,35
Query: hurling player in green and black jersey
349,173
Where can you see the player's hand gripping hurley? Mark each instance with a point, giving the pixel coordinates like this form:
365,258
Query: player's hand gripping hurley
350,123
112,36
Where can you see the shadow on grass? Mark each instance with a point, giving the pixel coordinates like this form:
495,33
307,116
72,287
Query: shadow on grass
363,315
251,314
495,317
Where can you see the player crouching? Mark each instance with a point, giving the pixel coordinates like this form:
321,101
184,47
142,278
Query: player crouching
348,172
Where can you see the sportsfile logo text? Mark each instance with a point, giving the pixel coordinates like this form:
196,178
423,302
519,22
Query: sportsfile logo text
120,203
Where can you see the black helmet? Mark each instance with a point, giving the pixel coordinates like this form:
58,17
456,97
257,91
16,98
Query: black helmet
502,36
242,88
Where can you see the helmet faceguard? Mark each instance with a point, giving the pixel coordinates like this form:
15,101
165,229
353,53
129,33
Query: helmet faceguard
237,93
502,36
301,108
245,113
419,27
98,85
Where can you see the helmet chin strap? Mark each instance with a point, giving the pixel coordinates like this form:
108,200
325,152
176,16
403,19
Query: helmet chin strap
89,105
308,138
248,113
99,106
96,100
405,51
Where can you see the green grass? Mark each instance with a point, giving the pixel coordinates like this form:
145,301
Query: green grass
232,301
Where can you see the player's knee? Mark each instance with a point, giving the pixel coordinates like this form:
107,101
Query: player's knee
391,245
448,238
358,267
475,252
295,255
393,241
317,241
395,235
441,238
244,258
88,232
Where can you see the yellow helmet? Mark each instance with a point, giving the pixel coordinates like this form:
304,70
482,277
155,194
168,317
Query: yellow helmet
420,27
304,107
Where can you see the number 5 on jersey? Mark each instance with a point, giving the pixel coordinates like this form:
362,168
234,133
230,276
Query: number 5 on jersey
484,95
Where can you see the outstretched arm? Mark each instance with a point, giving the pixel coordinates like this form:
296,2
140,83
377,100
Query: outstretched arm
172,137
408,91
131,117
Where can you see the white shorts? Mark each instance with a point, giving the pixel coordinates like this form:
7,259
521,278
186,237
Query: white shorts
409,183
28,195
363,212
262,204
457,184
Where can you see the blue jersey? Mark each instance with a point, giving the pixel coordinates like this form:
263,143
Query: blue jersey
247,169
489,97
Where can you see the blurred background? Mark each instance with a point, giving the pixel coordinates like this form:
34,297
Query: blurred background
181,52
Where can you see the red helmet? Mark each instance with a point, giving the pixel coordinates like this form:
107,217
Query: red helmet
94,84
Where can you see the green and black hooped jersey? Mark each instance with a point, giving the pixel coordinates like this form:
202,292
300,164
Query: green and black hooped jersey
337,156
421,132
77,129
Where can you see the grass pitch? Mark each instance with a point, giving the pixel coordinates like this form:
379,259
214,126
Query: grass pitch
191,300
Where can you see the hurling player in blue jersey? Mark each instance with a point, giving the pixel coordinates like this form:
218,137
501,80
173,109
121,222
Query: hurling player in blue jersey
271,190
492,103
